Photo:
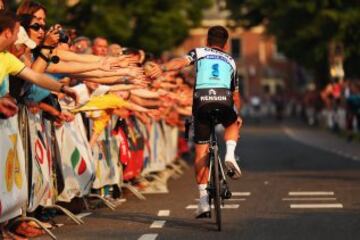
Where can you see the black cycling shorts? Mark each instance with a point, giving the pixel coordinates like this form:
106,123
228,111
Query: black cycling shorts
206,100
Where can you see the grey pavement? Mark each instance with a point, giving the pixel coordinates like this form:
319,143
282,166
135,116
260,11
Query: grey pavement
324,139
293,187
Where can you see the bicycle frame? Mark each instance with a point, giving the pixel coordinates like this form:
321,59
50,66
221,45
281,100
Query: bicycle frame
212,148
217,186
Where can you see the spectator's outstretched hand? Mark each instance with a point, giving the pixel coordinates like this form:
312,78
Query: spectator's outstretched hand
107,64
68,117
136,72
71,93
140,82
125,61
153,70
8,107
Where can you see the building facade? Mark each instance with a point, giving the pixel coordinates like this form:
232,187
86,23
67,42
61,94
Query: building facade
261,68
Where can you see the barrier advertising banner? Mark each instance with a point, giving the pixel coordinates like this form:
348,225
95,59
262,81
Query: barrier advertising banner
13,184
77,164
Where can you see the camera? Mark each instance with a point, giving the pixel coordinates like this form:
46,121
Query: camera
63,37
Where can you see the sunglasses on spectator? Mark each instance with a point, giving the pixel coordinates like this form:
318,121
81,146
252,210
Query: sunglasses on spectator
37,27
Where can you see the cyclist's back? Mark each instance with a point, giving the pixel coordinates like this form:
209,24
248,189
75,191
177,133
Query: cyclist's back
214,84
214,68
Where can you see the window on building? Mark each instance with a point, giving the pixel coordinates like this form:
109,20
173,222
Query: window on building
236,48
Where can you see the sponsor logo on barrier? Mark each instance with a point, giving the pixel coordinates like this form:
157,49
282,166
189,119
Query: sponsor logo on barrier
12,171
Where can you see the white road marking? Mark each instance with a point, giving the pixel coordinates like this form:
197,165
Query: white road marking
226,206
231,199
151,236
309,199
158,224
164,213
236,199
335,205
241,194
314,193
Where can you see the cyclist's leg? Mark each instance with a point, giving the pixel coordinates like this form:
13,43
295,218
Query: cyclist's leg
232,128
201,163
201,137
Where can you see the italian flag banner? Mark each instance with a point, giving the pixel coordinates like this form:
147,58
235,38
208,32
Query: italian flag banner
77,163
13,183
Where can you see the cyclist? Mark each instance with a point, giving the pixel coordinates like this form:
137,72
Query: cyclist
214,87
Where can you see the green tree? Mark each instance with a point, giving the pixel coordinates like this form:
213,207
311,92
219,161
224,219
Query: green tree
304,29
154,25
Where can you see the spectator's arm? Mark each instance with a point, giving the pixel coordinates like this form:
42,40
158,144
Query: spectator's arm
325,96
40,79
122,87
172,65
186,111
45,81
49,109
131,72
71,56
105,80
145,102
144,93
101,74
136,108
72,67
176,64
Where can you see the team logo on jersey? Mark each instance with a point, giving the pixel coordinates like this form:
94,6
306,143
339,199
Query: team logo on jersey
215,70
212,96
212,92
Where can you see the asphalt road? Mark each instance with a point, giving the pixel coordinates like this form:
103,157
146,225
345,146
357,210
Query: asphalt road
289,190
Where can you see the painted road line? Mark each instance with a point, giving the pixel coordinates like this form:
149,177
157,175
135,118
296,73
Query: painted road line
231,199
226,206
164,213
309,199
241,194
335,205
151,236
158,224
235,199
314,193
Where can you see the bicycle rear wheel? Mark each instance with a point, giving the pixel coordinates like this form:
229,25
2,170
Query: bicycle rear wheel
216,187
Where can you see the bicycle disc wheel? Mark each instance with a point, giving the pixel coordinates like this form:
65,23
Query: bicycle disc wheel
216,185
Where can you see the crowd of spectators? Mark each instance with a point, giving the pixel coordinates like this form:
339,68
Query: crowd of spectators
59,76
335,107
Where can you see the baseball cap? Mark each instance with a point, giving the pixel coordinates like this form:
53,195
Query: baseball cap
23,38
